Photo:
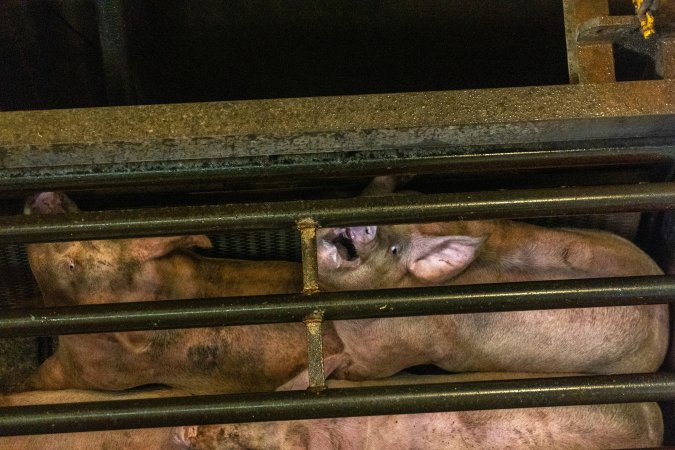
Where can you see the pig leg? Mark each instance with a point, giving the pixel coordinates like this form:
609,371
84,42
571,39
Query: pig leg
49,376
301,380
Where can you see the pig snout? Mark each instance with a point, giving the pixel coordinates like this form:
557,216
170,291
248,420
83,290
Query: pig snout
49,203
361,235
342,247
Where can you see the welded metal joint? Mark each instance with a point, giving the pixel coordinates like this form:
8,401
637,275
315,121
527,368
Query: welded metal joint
310,272
317,379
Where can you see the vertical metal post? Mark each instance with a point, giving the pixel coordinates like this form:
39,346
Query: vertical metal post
113,39
313,322
590,62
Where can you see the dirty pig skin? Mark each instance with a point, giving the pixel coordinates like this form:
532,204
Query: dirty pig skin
238,359
597,426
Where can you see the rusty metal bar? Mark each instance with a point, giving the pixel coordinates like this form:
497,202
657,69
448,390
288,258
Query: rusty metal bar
313,321
317,378
364,401
310,274
339,212
637,153
90,140
536,295
588,62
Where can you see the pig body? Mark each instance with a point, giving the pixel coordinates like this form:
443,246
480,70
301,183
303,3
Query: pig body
598,426
230,359
532,428
592,340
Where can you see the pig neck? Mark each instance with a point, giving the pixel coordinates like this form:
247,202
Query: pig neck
191,276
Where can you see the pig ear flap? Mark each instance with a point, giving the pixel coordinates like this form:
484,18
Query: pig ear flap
152,248
435,259
183,437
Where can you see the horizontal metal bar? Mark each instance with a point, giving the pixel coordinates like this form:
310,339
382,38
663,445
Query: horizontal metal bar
339,212
217,130
418,160
364,401
339,305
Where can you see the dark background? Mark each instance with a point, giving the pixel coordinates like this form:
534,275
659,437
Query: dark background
184,51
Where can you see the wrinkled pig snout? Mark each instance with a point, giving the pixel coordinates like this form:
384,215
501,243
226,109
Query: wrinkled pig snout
49,203
340,246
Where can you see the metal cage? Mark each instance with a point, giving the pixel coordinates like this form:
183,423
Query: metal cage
285,166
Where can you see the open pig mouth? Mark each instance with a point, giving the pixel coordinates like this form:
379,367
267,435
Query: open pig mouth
345,247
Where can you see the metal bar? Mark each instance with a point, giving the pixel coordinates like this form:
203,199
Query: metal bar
101,137
313,321
310,274
536,295
587,63
665,61
607,28
113,39
412,160
364,401
339,212
317,378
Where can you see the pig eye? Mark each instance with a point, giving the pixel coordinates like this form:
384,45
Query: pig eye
71,265
394,249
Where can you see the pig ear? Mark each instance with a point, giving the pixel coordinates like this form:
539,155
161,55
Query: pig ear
435,259
184,436
151,248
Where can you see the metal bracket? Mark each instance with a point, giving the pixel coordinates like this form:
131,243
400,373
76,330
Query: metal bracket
591,33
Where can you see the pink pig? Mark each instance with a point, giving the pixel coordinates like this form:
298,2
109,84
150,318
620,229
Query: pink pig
597,426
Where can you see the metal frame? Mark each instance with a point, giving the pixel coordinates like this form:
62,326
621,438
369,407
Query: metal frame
209,143
313,308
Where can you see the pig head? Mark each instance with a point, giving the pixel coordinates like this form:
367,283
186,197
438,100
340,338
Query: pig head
102,271
391,256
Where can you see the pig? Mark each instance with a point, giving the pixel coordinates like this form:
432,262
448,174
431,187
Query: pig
591,340
233,359
597,426
140,439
